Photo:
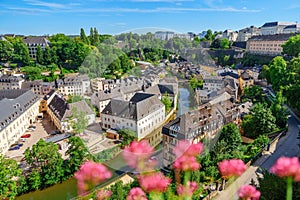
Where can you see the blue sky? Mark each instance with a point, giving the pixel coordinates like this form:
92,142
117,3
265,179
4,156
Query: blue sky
40,17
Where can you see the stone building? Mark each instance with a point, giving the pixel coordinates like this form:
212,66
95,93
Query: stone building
143,114
18,110
10,82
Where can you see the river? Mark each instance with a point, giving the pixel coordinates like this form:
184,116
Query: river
67,189
63,191
186,100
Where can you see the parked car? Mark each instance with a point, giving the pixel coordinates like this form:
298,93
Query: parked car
17,144
14,148
31,126
26,136
22,139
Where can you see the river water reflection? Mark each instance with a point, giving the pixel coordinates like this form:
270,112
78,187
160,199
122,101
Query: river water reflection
186,100
63,191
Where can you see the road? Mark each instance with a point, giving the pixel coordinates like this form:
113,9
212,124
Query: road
286,146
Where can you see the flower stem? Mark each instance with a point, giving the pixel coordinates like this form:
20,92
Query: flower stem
289,188
156,196
187,176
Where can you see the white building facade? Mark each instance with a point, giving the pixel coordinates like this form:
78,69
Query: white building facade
16,114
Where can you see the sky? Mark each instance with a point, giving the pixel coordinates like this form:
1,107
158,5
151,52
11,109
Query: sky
48,17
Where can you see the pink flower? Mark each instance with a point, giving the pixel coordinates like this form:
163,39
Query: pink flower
287,167
248,192
137,153
186,155
136,194
184,147
187,190
233,167
154,182
89,175
186,163
103,194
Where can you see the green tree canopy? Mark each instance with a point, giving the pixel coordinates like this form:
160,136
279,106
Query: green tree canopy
231,135
6,50
259,121
167,102
9,172
209,35
292,46
83,37
45,158
277,70
196,82
254,93
77,153
21,52
39,55
78,120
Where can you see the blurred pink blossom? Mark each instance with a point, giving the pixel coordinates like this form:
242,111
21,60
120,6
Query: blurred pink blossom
187,190
137,153
248,192
103,194
136,194
233,167
89,175
154,182
186,155
287,167
184,147
186,163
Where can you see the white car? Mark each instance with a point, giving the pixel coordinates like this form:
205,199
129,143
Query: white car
23,139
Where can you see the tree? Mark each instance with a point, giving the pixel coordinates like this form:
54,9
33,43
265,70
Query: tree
196,83
277,72
259,121
77,153
292,46
39,55
48,56
266,73
167,102
280,113
224,43
9,171
6,50
22,185
119,190
35,180
32,73
254,93
96,37
231,135
221,43
21,52
83,37
92,40
78,120
127,136
45,158
209,35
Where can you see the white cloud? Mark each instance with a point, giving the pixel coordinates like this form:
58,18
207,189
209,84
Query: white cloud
45,4
162,9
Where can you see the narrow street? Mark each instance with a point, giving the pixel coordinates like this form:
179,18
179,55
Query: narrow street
286,146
